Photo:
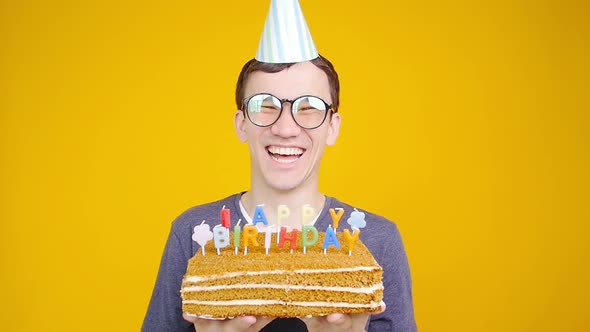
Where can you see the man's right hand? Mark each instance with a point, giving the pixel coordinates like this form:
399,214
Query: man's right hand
238,324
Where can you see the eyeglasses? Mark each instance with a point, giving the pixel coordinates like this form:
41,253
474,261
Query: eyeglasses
264,110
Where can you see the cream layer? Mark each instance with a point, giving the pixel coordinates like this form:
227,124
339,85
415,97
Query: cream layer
274,302
359,290
258,273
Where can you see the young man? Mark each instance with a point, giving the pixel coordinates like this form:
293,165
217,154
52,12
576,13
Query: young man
287,114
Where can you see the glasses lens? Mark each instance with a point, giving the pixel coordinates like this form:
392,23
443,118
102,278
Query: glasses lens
263,109
309,112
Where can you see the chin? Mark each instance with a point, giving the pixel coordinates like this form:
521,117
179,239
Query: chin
282,186
283,183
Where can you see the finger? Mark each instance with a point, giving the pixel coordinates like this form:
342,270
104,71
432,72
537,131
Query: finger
381,309
260,323
189,318
337,319
249,323
359,321
313,323
244,322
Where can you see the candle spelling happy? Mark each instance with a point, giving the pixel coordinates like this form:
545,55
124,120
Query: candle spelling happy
259,216
282,213
307,214
336,216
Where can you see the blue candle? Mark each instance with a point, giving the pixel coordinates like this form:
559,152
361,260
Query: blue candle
259,216
220,237
331,239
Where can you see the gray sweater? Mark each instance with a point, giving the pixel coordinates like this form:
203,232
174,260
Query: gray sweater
380,235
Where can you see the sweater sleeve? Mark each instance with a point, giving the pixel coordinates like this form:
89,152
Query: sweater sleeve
397,295
165,309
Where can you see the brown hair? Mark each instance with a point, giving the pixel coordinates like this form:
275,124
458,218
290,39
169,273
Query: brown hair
254,65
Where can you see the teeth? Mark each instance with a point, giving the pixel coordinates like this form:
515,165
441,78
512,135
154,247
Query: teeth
285,151
284,161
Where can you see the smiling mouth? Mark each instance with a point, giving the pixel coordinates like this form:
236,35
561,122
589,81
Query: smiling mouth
283,154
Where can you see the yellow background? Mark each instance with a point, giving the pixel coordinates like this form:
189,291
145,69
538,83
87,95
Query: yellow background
465,122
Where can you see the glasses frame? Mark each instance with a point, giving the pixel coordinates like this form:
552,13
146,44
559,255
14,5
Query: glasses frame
329,109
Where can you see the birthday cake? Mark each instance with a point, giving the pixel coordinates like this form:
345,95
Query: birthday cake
312,276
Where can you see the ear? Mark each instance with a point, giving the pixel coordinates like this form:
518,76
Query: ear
333,129
240,126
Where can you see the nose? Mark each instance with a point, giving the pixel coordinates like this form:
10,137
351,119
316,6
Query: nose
285,125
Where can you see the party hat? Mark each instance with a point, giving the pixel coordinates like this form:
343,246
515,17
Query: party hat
286,37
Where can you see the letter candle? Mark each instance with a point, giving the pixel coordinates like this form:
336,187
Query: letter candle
291,238
307,213
331,239
351,239
237,236
220,237
282,213
336,216
304,238
267,236
249,235
259,216
225,217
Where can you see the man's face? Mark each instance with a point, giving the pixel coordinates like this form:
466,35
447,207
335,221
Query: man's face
285,156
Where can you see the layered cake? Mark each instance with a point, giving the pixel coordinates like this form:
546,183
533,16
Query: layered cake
283,282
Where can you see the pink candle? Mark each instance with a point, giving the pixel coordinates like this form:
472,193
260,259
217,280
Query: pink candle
225,217
291,238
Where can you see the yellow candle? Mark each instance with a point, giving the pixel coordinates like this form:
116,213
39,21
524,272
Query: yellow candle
249,233
351,238
283,213
307,214
336,216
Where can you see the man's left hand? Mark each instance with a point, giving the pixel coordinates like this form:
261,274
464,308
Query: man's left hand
339,322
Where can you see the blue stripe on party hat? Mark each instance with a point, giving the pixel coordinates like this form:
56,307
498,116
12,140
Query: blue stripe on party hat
286,37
